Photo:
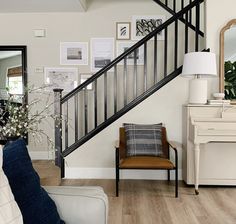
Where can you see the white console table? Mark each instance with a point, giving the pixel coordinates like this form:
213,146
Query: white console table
207,124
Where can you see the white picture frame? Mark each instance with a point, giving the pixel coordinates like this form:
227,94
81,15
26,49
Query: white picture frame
144,24
84,77
102,52
74,53
62,78
123,30
121,46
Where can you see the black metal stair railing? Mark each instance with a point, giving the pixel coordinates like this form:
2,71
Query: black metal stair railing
121,85
172,7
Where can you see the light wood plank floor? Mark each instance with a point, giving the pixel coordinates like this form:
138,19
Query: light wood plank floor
153,202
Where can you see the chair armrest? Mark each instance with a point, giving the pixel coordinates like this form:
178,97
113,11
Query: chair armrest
172,145
83,205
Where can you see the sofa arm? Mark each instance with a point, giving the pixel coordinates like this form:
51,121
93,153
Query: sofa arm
83,205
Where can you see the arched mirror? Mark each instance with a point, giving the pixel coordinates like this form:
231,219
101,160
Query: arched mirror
228,60
13,72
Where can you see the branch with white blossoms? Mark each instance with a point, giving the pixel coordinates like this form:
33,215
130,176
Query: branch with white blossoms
17,120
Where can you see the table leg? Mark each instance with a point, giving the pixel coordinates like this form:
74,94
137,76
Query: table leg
196,166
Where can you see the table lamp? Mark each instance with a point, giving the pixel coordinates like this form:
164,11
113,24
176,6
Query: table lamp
199,64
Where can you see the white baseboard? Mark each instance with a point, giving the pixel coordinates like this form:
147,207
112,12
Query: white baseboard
109,173
41,155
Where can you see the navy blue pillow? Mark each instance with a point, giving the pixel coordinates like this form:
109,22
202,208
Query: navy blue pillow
35,204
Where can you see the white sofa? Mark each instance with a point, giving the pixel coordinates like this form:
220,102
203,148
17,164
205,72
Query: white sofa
80,205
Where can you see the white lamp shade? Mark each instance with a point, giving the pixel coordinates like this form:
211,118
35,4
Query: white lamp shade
199,63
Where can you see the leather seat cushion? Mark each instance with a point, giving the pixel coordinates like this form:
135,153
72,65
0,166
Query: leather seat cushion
146,162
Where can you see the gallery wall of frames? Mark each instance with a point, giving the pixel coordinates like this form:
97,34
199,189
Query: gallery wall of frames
99,52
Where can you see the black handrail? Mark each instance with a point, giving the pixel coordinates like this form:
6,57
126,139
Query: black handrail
172,12
131,49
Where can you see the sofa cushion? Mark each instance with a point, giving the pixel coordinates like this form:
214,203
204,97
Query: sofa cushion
9,210
144,139
35,204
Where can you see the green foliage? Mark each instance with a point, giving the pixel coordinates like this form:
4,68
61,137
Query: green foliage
230,80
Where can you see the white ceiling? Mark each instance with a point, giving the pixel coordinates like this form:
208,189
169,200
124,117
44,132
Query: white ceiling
11,6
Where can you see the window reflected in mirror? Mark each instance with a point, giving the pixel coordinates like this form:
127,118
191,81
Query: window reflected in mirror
12,72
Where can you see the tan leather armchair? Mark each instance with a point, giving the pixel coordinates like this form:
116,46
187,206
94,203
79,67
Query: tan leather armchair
145,162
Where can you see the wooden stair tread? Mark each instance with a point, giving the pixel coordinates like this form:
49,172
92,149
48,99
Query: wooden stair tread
50,175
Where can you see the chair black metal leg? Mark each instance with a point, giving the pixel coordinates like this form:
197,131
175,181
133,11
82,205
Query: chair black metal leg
176,182
168,175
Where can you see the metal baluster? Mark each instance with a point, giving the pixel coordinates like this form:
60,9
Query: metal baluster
76,117
165,52
176,44
197,26
66,125
145,66
135,73
182,4
186,32
166,2
85,110
174,5
190,13
95,104
115,89
155,58
125,81
105,96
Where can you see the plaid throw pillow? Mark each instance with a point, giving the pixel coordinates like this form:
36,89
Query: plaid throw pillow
143,140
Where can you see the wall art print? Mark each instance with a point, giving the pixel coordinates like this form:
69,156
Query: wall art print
123,30
102,52
74,53
143,25
123,46
62,78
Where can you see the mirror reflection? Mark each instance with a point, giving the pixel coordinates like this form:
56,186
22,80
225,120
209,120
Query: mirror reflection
12,72
230,63
228,60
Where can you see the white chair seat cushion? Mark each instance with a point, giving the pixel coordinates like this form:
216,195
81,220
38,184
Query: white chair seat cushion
9,210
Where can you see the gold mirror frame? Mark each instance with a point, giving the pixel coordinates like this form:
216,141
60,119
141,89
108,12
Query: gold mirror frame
222,53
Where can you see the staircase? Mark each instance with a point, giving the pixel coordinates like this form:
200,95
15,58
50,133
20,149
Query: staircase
124,83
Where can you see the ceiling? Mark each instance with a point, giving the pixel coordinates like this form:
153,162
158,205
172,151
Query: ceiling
12,6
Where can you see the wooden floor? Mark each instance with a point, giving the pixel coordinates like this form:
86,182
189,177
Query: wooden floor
153,202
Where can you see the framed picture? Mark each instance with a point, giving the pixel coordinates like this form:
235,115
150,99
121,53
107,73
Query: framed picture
102,52
63,78
123,46
143,25
123,30
74,53
84,77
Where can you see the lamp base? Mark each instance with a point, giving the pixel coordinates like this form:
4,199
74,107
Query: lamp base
198,91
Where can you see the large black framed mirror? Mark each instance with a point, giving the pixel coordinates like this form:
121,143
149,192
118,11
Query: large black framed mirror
13,75
13,72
